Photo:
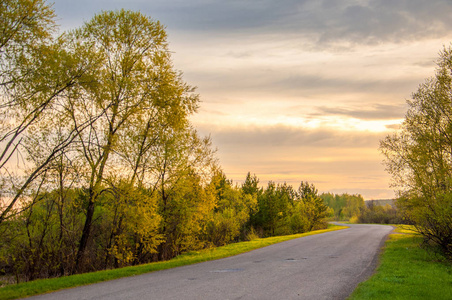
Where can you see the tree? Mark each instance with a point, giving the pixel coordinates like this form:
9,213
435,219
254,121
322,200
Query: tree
374,212
344,206
419,157
315,209
274,209
251,185
183,162
136,81
251,189
232,212
35,71
128,232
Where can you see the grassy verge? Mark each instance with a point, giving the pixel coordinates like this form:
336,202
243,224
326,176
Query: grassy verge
407,271
48,285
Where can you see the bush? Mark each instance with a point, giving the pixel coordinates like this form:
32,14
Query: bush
374,213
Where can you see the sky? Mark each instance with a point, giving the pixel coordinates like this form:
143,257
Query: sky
297,90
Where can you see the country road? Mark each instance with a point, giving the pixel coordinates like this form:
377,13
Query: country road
323,266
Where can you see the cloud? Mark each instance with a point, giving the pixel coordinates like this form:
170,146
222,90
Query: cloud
369,112
283,136
384,20
393,126
359,21
325,22
307,83
299,83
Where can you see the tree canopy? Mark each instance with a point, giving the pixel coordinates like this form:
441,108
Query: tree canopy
419,156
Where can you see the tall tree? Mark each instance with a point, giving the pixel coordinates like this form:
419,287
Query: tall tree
136,88
419,156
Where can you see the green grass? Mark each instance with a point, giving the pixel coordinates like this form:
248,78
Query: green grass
48,285
407,271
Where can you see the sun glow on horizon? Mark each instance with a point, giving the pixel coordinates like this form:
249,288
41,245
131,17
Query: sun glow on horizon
338,123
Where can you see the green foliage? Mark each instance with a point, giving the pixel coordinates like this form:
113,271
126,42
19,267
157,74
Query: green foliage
251,185
223,228
345,206
232,212
128,225
185,209
283,210
379,214
272,216
315,208
41,240
299,219
251,235
419,157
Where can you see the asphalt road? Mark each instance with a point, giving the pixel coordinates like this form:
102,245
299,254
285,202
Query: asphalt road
323,266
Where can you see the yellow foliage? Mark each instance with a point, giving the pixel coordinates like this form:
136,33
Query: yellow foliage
354,220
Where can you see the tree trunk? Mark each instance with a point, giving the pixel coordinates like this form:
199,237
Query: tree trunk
85,236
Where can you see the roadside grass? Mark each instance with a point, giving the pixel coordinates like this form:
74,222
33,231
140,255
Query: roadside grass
42,286
407,271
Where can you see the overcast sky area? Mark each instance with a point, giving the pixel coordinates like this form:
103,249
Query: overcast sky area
297,90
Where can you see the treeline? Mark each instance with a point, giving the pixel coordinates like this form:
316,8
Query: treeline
353,208
345,207
133,225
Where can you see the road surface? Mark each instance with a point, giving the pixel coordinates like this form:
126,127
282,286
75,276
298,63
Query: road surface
323,266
